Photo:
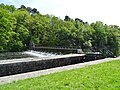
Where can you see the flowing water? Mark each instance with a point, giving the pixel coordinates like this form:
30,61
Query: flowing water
25,54
39,54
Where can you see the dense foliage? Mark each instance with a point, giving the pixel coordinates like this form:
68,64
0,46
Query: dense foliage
18,27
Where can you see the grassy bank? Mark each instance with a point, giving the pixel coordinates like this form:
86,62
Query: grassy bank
105,76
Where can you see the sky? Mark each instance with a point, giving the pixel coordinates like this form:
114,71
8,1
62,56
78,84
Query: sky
107,11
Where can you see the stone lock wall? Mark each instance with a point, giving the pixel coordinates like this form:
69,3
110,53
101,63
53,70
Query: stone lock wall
45,63
22,67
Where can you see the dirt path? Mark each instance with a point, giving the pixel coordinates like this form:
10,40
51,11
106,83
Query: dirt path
11,78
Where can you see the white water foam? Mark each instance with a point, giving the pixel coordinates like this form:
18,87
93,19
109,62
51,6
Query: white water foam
38,54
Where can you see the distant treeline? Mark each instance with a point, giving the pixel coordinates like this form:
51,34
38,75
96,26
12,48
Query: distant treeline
20,26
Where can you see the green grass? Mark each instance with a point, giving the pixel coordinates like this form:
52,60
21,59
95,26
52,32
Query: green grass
105,76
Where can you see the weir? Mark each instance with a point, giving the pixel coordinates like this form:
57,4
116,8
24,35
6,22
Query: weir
65,50
42,60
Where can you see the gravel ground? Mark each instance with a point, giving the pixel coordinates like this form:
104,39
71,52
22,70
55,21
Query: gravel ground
11,78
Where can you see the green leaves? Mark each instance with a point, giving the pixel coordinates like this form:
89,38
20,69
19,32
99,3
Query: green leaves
20,26
7,22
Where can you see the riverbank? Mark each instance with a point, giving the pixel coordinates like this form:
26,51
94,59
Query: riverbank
8,79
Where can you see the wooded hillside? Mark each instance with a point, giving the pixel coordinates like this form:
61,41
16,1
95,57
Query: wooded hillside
20,26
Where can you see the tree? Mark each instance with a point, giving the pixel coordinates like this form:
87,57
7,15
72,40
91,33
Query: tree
7,22
19,27
22,7
100,34
114,39
34,10
29,9
10,8
67,18
23,19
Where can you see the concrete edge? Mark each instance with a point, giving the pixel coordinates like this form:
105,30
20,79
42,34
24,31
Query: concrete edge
11,78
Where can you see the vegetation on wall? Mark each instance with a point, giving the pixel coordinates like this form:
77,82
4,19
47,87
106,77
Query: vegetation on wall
18,27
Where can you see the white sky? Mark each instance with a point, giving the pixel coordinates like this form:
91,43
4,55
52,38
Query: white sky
107,11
